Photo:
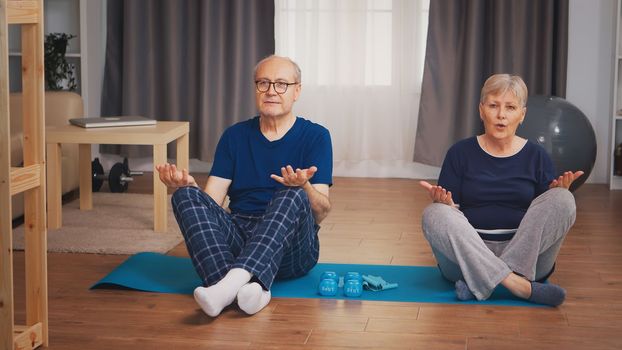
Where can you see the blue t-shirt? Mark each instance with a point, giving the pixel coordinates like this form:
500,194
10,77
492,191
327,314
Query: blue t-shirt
495,192
246,157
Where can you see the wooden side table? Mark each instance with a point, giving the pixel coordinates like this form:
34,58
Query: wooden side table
158,136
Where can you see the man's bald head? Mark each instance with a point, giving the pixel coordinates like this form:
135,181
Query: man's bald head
295,67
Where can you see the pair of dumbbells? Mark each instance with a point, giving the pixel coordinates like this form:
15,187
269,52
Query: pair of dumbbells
330,283
118,178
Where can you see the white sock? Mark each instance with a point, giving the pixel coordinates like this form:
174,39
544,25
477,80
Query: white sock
252,298
215,298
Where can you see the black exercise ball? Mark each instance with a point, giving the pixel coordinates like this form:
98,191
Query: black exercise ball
565,133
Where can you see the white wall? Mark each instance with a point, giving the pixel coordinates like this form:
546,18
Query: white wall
93,22
590,63
93,17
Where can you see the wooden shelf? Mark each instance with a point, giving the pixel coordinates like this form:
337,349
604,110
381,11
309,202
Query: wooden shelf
25,337
24,12
29,179
25,178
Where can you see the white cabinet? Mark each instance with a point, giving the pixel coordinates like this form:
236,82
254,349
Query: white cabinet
616,123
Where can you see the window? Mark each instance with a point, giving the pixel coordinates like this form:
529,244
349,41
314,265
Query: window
362,67
351,40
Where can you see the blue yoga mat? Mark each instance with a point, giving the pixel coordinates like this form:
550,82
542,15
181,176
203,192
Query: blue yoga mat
153,272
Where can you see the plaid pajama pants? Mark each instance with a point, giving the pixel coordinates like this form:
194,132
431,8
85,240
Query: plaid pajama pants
280,243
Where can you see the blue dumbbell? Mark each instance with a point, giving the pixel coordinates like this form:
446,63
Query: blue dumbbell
330,275
328,287
353,276
353,288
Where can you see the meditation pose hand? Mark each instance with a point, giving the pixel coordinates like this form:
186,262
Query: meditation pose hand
438,194
292,178
173,178
566,179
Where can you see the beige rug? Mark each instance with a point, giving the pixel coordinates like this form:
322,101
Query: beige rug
120,223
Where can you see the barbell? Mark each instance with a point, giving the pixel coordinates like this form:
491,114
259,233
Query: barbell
118,178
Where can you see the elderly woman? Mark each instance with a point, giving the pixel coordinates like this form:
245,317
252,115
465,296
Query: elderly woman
499,214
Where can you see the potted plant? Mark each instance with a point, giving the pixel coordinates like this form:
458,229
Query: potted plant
59,74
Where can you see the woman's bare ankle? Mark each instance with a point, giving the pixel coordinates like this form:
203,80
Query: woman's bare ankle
518,285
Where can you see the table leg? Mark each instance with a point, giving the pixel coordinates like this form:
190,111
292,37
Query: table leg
86,177
54,186
160,196
182,152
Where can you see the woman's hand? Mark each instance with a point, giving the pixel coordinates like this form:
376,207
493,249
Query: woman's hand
292,178
438,194
174,178
566,179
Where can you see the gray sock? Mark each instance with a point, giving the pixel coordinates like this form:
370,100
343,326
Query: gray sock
547,294
463,292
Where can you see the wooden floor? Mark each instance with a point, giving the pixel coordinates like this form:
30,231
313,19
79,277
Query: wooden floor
373,221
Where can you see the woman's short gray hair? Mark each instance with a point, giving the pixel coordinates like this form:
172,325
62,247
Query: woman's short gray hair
297,72
498,84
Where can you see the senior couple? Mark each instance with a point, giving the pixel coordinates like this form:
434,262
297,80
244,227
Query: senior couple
498,216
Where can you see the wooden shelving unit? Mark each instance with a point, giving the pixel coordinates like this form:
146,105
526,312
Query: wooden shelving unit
29,179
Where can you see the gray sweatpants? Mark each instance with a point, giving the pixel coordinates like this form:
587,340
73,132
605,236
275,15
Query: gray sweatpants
462,254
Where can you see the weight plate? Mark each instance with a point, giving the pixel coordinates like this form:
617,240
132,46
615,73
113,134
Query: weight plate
114,179
97,169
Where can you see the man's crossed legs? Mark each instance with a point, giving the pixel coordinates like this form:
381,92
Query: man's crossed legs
239,256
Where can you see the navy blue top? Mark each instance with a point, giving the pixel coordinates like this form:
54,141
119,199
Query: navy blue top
246,157
495,192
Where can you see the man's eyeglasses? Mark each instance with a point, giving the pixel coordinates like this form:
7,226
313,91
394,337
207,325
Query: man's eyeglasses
280,87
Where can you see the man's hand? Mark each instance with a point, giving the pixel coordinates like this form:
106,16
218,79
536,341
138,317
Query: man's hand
566,179
438,194
174,178
292,178
318,193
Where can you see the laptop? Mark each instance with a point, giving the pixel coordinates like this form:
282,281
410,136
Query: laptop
104,122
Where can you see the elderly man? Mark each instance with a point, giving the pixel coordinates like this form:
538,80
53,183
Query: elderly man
276,169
